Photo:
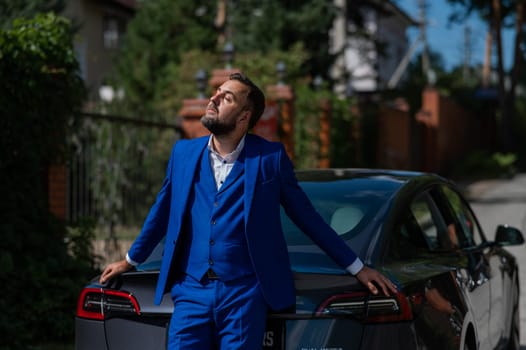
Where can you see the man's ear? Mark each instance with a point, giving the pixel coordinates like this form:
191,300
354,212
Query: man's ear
246,115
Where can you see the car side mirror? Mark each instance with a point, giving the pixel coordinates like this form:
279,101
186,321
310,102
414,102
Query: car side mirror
507,235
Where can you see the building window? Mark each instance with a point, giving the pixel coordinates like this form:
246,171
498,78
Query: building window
80,54
111,32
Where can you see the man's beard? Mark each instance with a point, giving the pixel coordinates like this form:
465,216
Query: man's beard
216,126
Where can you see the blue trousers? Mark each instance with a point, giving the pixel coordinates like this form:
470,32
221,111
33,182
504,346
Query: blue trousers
217,315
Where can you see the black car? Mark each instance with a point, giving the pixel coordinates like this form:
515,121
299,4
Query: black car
457,289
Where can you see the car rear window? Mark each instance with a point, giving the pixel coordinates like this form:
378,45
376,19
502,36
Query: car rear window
348,206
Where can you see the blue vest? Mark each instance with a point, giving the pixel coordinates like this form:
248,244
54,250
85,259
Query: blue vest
215,227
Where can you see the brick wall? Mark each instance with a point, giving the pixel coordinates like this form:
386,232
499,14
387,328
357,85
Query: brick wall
444,135
394,136
451,132
57,190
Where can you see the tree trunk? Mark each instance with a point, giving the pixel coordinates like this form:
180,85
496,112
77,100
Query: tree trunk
220,22
505,142
508,110
486,69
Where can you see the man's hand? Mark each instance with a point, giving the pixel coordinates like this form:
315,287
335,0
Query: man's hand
373,280
114,269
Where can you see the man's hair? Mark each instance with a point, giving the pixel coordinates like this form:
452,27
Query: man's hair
255,97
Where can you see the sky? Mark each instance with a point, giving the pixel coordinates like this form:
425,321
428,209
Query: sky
448,39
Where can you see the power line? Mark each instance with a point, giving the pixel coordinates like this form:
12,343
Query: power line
420,39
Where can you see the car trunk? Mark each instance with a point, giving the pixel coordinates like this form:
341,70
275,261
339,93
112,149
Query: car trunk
331,314
306,327
144,331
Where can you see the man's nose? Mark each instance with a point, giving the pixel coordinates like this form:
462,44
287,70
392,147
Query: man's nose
216,97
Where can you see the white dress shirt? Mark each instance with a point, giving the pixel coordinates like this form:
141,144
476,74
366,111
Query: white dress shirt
221,166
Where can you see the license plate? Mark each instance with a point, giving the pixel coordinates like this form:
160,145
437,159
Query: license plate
274,337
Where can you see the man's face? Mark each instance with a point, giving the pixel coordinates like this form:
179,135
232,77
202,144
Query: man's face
227,108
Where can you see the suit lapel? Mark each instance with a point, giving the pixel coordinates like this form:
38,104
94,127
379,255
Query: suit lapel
252,160
237,170
185,178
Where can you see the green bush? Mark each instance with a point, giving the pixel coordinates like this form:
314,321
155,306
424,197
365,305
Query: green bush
483,164
309,106
41,275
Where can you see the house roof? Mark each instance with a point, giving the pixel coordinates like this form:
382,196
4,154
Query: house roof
393,8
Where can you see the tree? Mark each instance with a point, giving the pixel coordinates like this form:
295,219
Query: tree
163,31
11,9
158,36
40,274
168,42
279,25
500,14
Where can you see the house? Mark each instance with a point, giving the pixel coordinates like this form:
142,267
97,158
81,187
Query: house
101,26
364,63
367,60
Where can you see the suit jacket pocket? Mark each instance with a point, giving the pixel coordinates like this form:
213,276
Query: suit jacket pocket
266,182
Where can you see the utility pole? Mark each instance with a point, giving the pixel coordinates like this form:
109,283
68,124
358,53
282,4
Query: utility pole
423,37
339,47
467,53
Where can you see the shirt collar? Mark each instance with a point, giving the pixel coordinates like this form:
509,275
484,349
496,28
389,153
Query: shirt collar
231,157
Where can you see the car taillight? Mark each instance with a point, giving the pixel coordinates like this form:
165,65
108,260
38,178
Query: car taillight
367,307
97,303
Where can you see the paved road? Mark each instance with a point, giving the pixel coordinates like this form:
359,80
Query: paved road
504,202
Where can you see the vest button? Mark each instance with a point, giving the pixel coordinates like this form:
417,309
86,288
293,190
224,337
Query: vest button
213,222
210,262
212,242
216,204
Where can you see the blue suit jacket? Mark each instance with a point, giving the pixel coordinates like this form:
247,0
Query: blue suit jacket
269,183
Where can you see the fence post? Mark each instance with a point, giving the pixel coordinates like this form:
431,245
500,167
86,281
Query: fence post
193,109
325,133
282,95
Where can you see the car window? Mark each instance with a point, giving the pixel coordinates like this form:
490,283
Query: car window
408,240
345,205
429,221
465,220
344,217
422,229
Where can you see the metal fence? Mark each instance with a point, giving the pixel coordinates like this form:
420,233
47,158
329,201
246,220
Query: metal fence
116,167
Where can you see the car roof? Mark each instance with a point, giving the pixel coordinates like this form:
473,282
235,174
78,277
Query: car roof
329,174
396,180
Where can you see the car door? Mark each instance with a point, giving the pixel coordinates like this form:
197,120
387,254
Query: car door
420,252
485,283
